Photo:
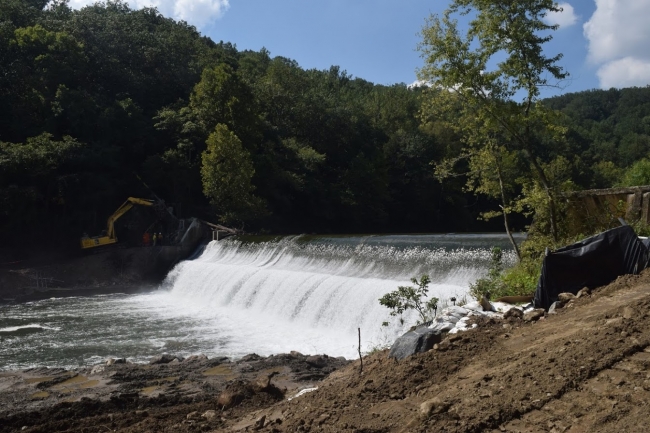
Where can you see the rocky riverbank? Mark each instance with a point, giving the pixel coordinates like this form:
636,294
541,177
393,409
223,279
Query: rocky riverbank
585,368
168,394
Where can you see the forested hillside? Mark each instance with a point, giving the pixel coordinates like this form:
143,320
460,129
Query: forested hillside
92,99
610,129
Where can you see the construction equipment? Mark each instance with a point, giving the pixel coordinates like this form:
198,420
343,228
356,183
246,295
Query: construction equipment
109,237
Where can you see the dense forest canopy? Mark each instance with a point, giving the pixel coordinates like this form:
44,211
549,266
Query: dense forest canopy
92,99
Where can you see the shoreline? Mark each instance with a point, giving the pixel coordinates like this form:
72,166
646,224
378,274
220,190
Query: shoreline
60,292
123,270
583,368
128,389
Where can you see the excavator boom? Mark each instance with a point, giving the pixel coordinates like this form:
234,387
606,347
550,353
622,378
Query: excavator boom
110,237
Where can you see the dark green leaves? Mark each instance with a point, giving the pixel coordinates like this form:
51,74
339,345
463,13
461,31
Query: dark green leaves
412,298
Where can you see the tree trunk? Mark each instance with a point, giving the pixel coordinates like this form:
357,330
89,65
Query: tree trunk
505,214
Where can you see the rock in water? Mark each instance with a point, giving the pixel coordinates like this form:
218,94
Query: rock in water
417,341
162,359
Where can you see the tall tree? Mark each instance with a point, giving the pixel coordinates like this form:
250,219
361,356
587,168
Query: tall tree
227,172
496,61
221,97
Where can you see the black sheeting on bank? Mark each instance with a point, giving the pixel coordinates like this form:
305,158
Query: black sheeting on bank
593,262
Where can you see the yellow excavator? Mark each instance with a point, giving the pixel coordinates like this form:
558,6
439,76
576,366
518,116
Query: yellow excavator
109,237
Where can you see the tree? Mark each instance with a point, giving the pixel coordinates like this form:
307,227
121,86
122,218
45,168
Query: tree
496,61
221,97
491,169
226,173
412,298
35,183
638,174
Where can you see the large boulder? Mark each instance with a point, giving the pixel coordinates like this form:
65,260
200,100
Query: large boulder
417,341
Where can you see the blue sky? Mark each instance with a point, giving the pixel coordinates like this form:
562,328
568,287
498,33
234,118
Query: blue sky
604,42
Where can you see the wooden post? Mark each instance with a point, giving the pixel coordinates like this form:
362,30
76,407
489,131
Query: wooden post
360,357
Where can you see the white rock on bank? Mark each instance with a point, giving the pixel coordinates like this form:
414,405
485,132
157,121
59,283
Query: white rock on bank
454,319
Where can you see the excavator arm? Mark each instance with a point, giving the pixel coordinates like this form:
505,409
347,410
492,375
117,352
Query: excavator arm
110,237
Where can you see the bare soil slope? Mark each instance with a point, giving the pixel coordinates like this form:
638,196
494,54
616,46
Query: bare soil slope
585,369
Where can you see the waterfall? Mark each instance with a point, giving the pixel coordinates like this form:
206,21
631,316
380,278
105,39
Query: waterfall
251,295
312,293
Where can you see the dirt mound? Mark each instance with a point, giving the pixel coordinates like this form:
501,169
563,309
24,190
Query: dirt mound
584,369
581,370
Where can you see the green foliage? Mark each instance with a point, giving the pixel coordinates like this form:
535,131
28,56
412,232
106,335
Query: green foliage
490,284
499,58
37,156
638,174
226,172
324,151
518,280
221,97
606,174
641,228
521,279
412,298
606,125
35,184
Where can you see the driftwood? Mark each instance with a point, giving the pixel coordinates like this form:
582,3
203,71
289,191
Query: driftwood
515,299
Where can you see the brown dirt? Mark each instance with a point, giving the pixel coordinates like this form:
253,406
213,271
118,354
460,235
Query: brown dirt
585,369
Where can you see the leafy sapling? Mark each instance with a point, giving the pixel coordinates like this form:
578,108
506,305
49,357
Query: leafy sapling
411,298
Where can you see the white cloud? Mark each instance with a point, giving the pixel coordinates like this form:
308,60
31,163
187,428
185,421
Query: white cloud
196,12
199,12
619,34
418,83
565,18
626,72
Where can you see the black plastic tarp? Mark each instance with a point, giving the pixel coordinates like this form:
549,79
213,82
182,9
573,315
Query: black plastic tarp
593,262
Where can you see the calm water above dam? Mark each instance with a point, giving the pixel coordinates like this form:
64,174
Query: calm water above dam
305,293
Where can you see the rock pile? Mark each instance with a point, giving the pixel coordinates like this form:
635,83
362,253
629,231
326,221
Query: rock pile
452,320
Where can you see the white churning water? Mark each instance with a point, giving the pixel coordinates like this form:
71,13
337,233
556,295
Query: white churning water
312,295
241,296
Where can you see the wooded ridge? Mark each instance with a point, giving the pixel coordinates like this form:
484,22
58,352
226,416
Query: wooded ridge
90,99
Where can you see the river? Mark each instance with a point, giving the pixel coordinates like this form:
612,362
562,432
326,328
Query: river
251,295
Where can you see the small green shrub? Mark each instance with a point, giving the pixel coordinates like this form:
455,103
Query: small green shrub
518,280
641,228
490,284
521,279
411,298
